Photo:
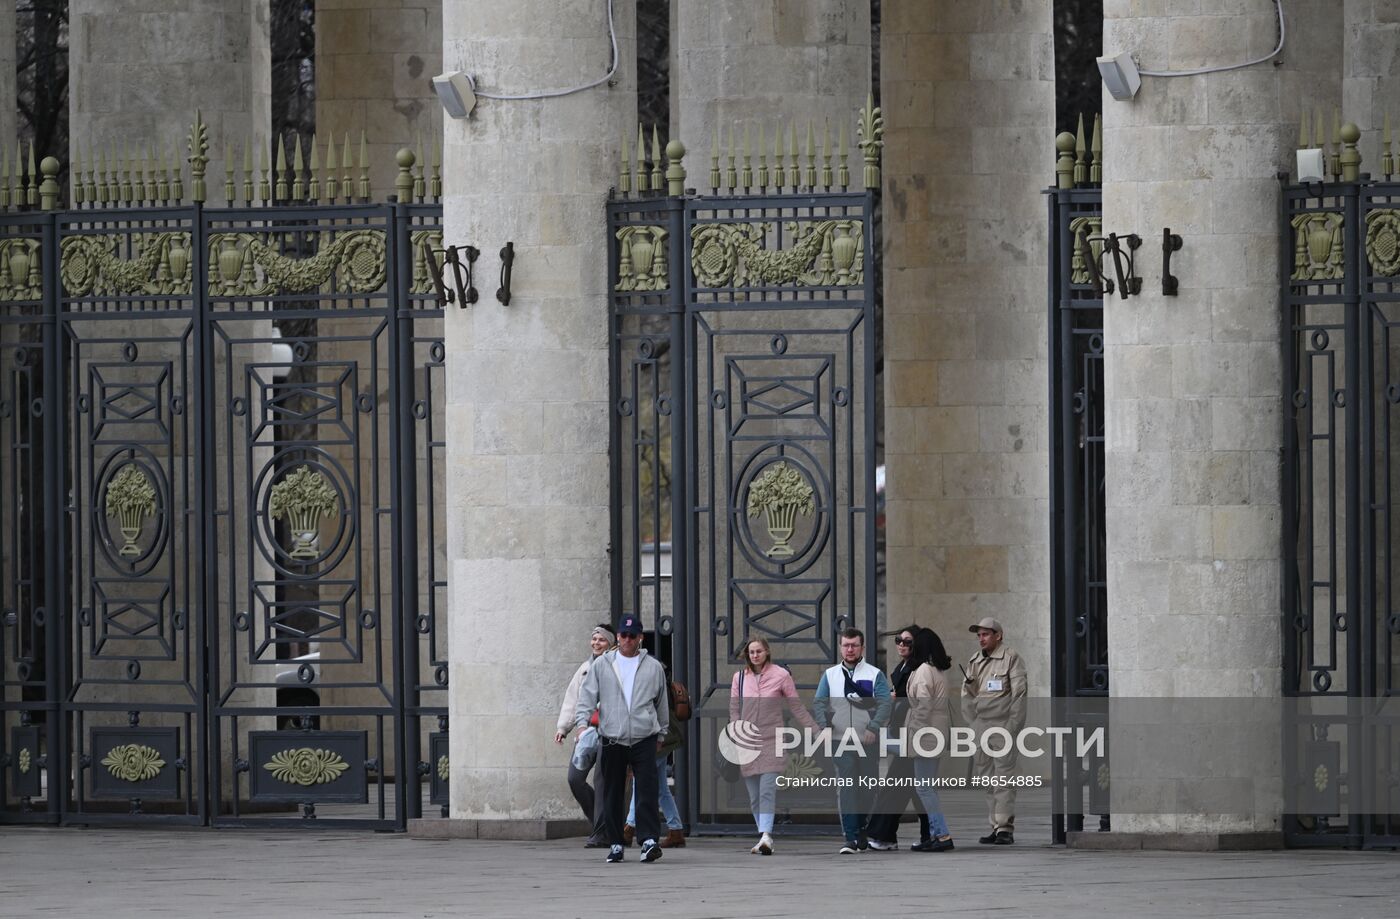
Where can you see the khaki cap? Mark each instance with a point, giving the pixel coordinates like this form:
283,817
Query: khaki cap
987,623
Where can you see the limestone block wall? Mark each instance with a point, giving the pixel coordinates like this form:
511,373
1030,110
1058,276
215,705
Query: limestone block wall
969,101
375,60
527,387
138,70
1193,382
766,61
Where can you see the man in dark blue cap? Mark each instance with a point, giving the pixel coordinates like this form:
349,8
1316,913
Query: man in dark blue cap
628,687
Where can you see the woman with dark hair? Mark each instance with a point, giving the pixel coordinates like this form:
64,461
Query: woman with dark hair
892,799
930,707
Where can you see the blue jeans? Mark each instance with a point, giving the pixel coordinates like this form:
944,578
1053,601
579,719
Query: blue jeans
763,793
925,770
849,801
663,797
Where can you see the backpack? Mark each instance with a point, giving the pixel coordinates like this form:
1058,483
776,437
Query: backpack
679,699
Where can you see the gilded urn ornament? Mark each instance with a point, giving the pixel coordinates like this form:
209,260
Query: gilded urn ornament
642,258
19,270
841,260
845,243
1317,249
229,257
305,498
781,493
133,762
1084,231
131,498
306,766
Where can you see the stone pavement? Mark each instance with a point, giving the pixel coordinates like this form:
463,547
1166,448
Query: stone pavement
195,873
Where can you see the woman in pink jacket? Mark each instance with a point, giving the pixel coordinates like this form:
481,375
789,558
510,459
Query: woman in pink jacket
760,693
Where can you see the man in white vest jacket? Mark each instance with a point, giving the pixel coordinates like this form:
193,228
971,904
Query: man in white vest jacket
854,700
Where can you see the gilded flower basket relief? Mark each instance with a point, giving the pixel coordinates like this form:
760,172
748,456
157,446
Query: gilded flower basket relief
305,498
131,498
780,493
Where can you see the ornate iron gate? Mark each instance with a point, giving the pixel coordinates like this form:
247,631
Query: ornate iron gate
743,415
1078,597
1340,290
221,443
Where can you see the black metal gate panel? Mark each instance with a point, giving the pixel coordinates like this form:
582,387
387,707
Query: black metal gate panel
221,450
133,683
1340,293
1078,595
743,434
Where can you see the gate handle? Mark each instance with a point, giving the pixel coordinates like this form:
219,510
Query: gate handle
466,292
1130,284
1101,284
507,260
1171,242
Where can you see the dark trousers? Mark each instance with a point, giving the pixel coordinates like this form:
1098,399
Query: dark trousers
890,804
615,758
589,798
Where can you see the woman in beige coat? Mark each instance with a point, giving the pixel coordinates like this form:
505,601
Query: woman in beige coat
930,707
589,797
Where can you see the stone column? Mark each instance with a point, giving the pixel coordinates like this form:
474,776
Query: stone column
527,422
375,60
7,75
1193,381
765,61
138,72
1369,81
969,101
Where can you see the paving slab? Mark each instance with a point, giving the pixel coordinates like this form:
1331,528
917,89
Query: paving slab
74,872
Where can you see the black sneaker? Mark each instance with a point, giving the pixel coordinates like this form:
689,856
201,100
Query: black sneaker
1004,838
650,851
614,855
941,845
862,843
989,840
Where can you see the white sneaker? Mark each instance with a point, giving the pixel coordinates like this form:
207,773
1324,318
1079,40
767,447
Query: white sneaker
765,845
879,846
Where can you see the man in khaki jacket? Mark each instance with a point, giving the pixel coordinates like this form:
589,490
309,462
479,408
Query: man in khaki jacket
994,695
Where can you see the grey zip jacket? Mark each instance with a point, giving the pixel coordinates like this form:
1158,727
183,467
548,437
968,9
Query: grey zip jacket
650,713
